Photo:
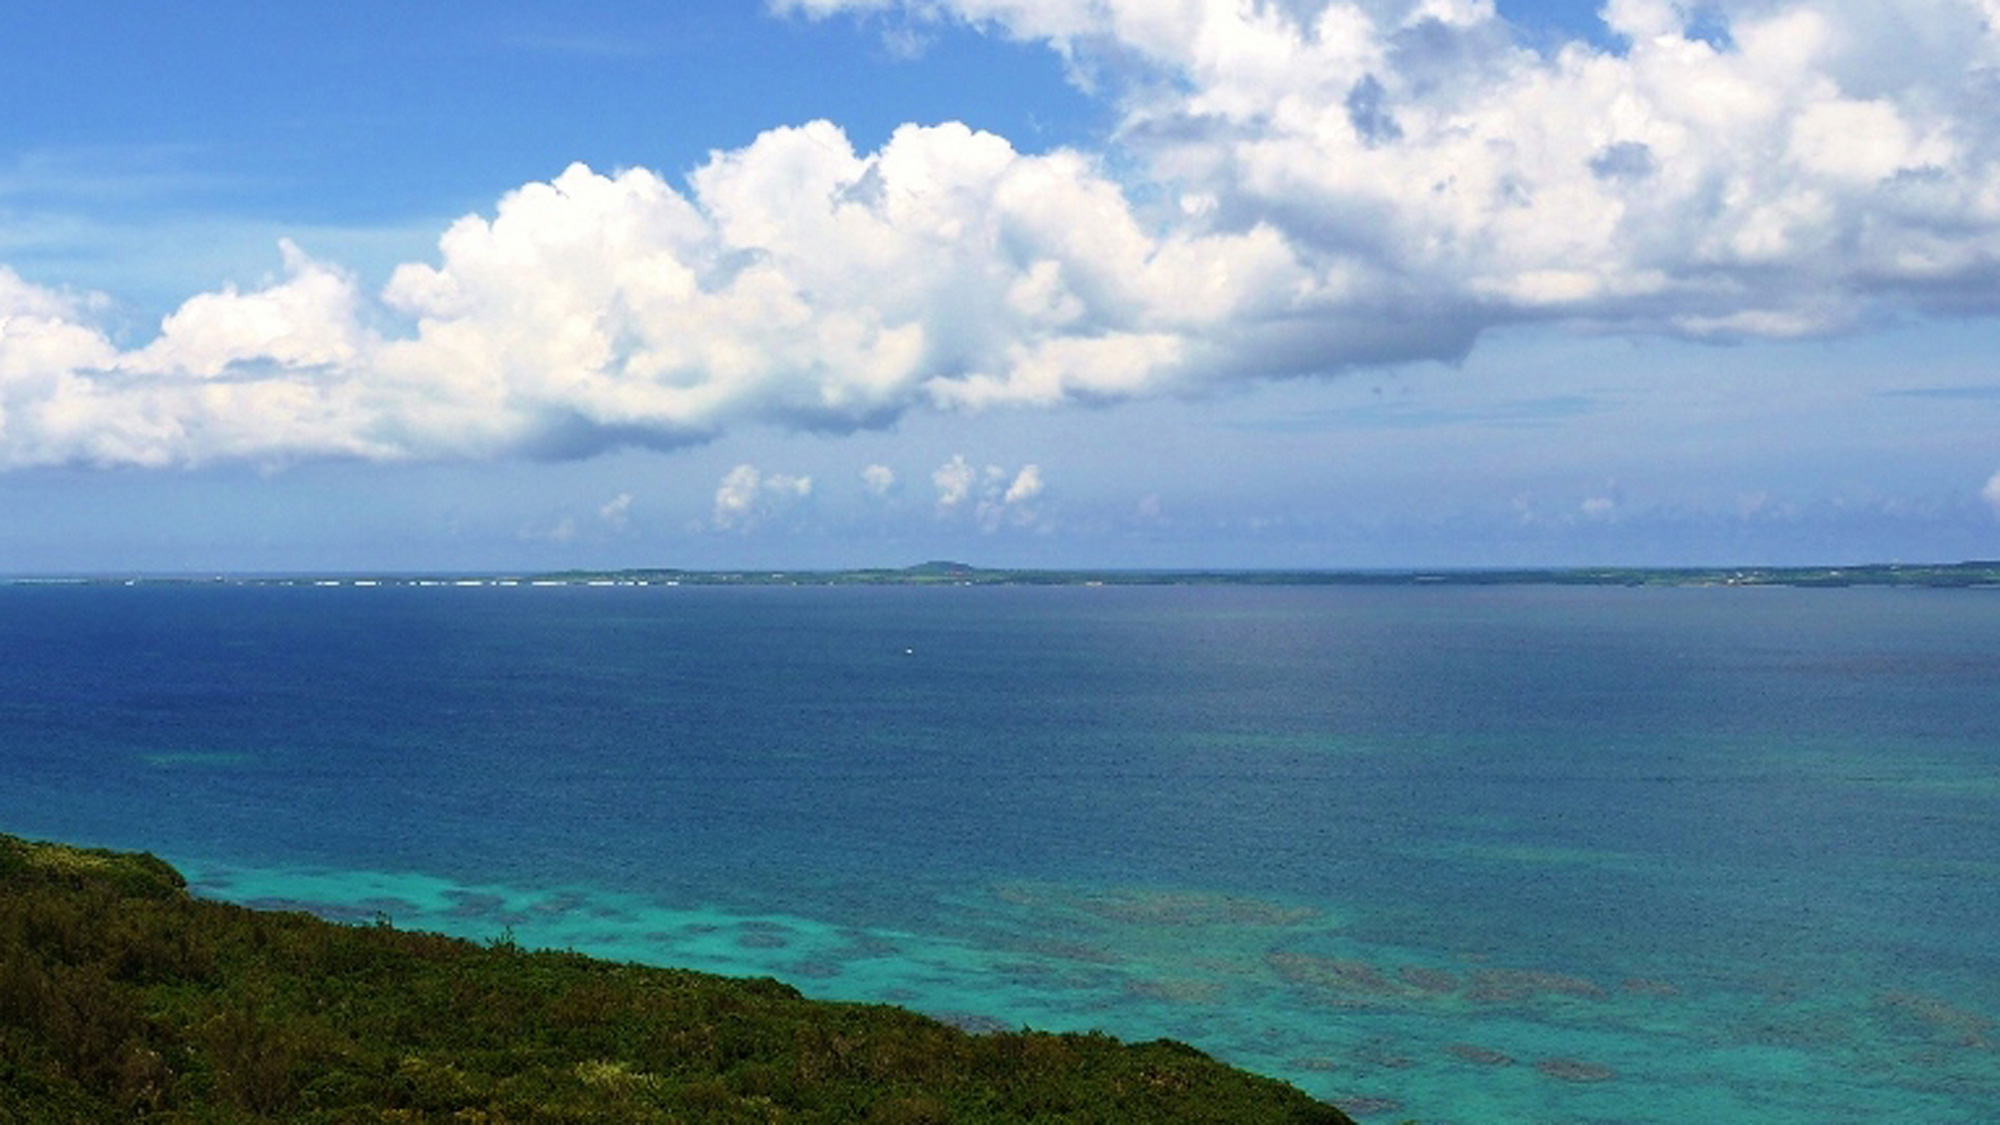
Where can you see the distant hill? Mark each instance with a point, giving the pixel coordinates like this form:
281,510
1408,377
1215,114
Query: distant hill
939,567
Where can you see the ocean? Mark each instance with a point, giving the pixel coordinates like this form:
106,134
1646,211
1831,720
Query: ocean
1443,854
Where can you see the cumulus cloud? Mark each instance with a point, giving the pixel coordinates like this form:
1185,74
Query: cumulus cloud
1302,187
1991,493
801,283
1767,167
878,480
1026,486
954,480
993,495
748,497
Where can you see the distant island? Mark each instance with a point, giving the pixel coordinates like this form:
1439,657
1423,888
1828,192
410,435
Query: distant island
946,573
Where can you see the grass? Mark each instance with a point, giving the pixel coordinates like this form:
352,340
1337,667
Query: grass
122,997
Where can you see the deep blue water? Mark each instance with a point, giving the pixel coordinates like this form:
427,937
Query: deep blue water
1452,854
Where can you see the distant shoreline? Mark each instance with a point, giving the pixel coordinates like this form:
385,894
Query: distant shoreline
1963,575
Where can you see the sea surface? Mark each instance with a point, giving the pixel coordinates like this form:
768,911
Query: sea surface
1455,854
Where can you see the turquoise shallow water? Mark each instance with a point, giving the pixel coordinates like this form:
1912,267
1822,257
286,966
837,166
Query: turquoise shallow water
1448,855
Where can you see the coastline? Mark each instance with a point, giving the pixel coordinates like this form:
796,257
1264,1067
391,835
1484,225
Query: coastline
1973,574
1730,849
122,994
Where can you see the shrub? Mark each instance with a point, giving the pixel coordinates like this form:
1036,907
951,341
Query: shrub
122,996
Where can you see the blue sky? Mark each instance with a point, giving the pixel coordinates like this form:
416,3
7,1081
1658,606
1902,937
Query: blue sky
1023,282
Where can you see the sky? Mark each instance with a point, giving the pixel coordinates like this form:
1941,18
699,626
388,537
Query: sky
1338,284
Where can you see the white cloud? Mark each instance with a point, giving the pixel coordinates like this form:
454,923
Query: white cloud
261,375
801,283
736,496
879,480
1313,186
995,497
954,480
617,511
747,497
1831,161
1027,485
305,321
1991,493
1013,504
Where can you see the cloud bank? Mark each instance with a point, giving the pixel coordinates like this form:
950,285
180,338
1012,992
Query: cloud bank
1300,188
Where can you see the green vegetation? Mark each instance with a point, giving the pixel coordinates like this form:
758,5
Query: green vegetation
121,996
